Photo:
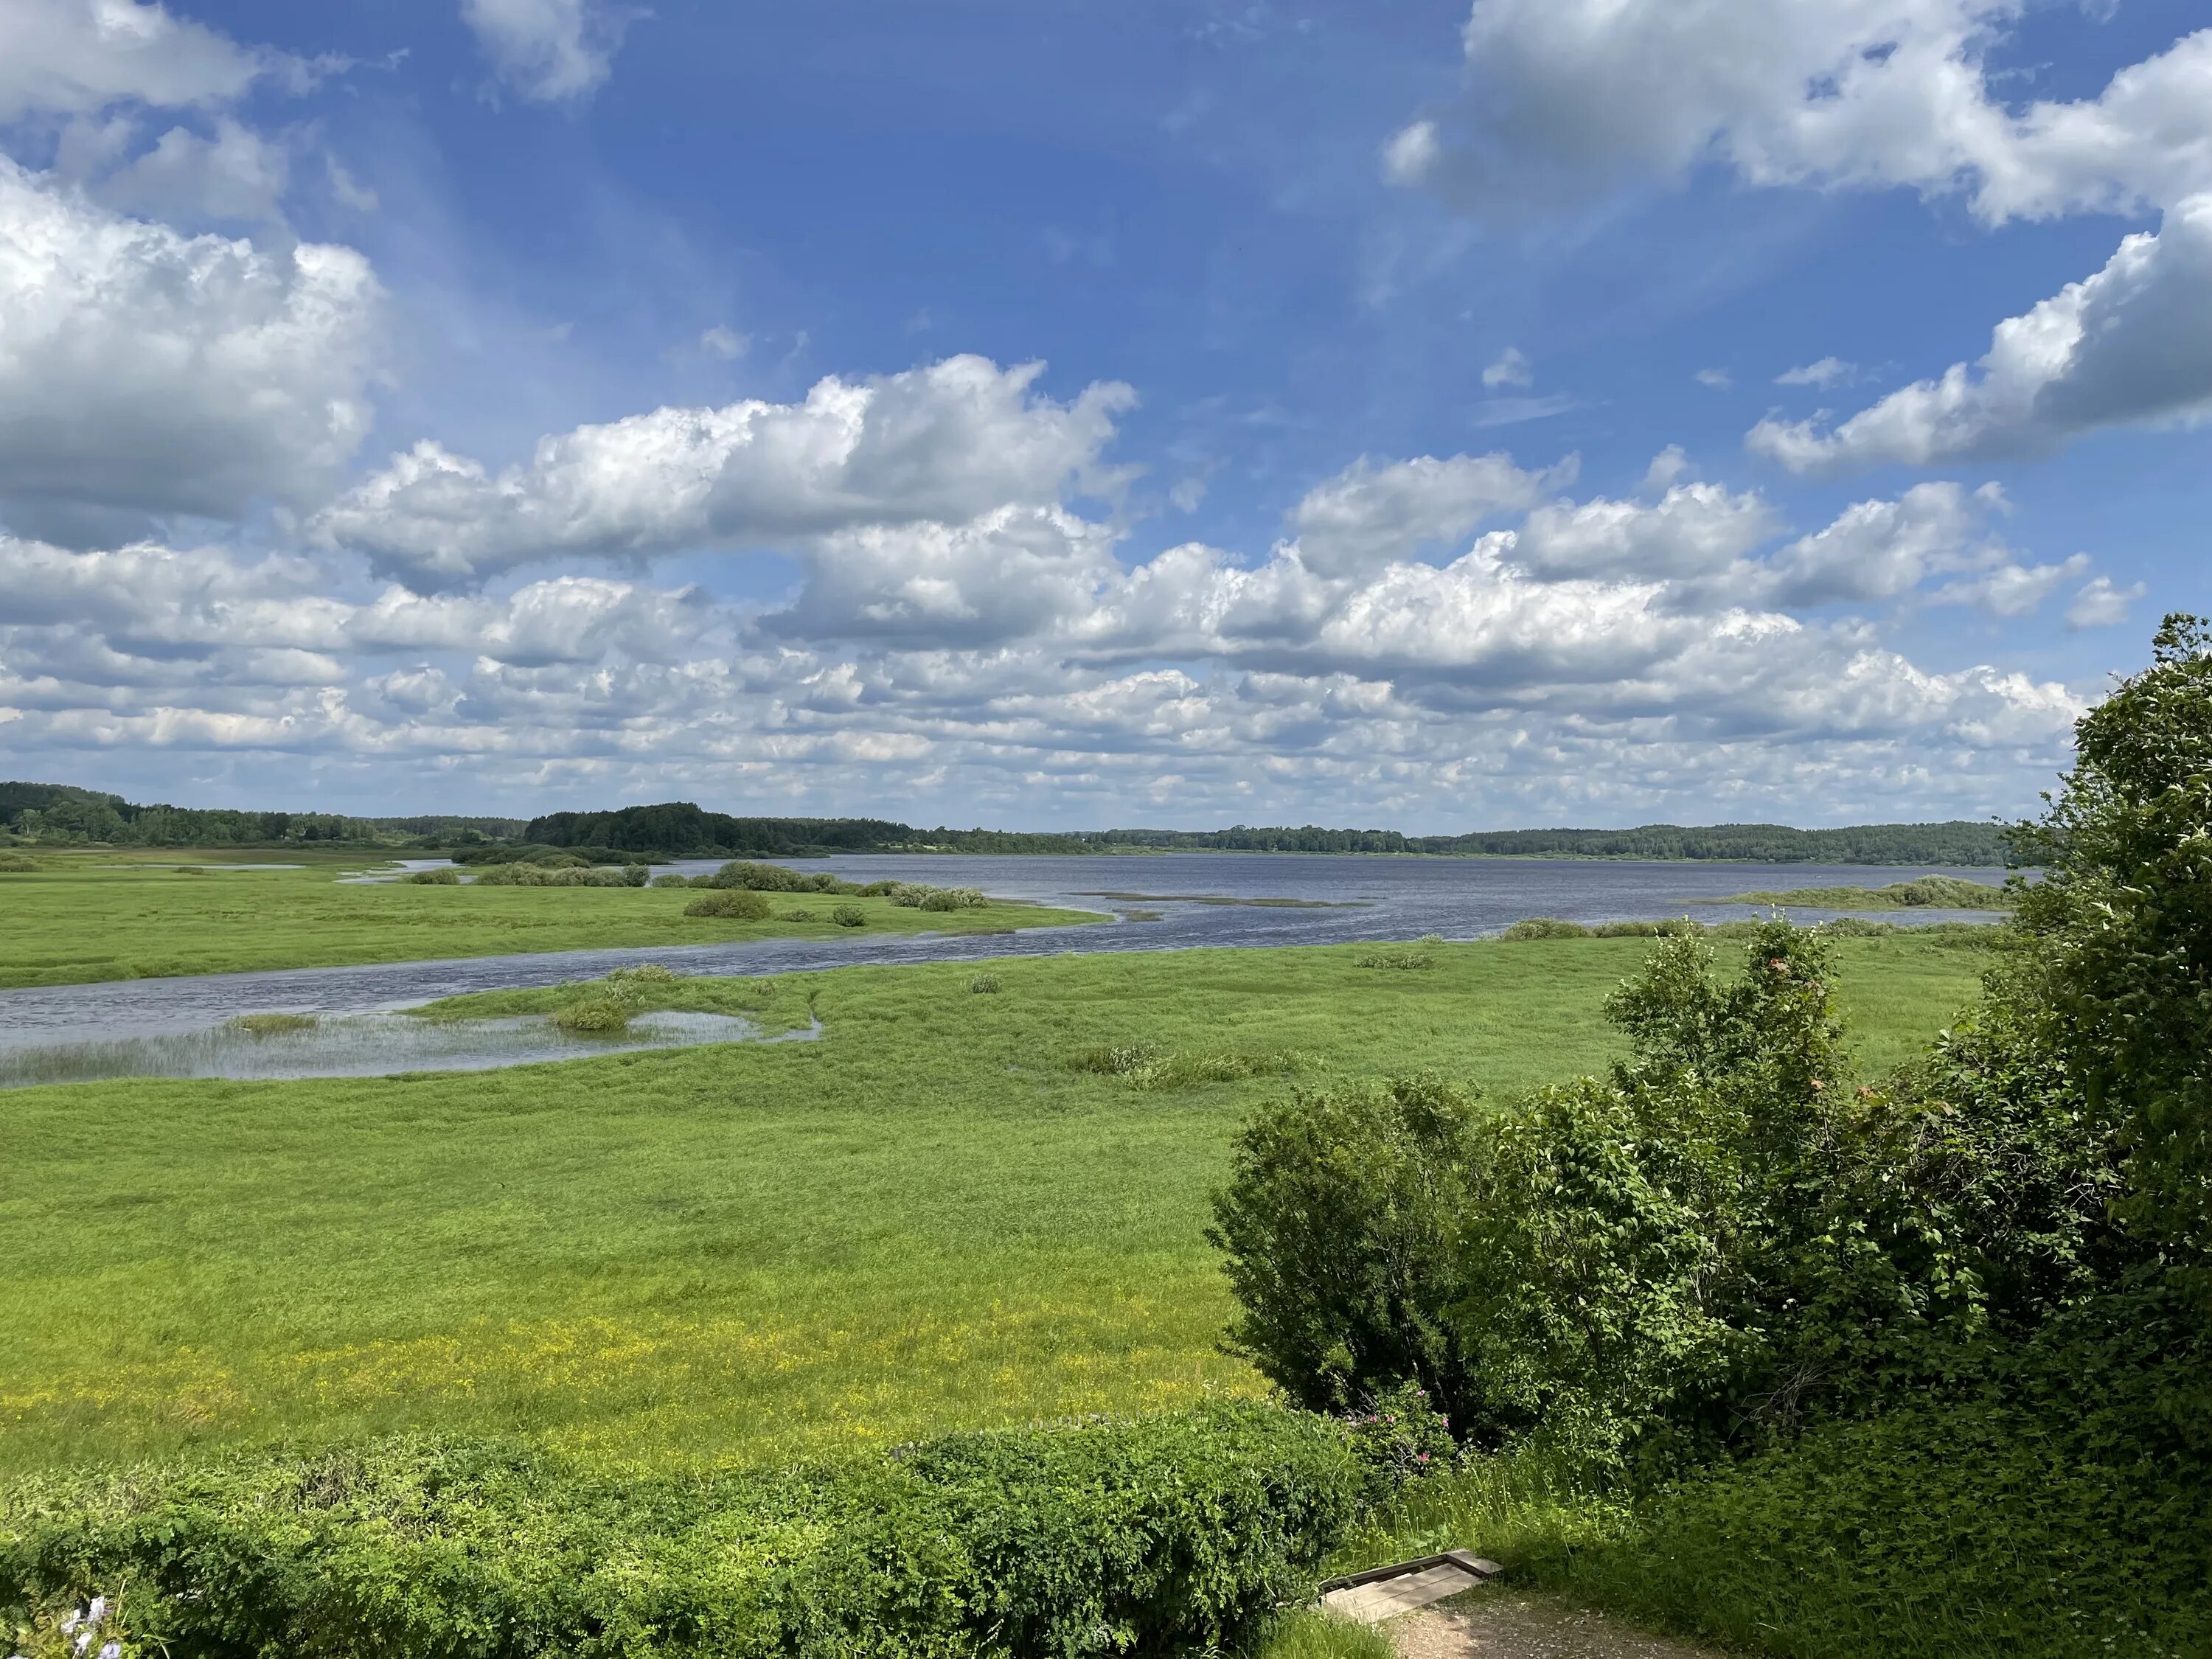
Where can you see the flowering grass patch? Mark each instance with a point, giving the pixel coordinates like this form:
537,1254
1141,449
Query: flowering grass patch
926,1220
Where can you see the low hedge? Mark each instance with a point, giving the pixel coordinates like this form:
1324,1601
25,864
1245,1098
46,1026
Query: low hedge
1172,1533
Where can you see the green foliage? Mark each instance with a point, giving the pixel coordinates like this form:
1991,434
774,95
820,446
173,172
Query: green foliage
645,973
2119,936
849,916
1546,927
1339,1226
1955,1531
1402,958
1923,892
1144,1066
447,878
731,904
605,1011
1399,1437
1177,1532
986,985
17,864
524,874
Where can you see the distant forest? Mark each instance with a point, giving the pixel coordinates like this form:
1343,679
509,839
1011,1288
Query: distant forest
60,814
683,829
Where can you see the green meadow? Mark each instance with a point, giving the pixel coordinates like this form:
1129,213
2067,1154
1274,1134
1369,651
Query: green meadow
81,917
963,1205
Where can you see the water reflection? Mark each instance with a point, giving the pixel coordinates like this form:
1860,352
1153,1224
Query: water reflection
363,1045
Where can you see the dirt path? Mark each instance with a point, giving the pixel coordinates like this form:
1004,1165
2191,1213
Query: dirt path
1502,1624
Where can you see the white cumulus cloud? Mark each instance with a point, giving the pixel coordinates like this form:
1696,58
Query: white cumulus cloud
77,57
145,369
1372,515
1567,97
2129,345
945,444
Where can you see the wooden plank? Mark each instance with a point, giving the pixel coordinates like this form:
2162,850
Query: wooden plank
1378,1600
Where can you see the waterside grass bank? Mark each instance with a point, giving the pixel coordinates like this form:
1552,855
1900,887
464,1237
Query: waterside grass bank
90,916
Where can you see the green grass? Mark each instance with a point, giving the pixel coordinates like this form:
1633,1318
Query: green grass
94,916
1923,892
932,1217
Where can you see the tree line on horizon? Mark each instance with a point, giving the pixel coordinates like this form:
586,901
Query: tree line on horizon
65,815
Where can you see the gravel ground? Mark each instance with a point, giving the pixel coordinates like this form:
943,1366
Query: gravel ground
1500,1624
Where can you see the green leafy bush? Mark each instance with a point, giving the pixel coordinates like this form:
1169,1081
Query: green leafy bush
645,973
575,874
1147,1066
14,864
1167,1535
432,878
849,916
1401,958
730,904
1546,927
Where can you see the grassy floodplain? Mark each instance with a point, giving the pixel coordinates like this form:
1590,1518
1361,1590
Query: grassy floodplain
950,1211
89,916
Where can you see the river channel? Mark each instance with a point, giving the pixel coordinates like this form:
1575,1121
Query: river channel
175,1027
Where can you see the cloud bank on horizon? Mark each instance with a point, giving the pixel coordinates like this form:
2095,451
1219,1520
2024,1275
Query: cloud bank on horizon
1591,410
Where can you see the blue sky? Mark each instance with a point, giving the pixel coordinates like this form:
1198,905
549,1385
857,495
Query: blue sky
1071,414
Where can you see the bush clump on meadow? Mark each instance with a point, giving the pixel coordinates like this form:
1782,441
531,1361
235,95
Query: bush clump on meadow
1175,1534
730,904
600,1014
1403,958
1146,1067
773,878
14,864
913,895
432,878
849,916
562,875
1546,927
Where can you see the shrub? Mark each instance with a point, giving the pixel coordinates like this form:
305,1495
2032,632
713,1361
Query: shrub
432,878
14,864
940,899
730,904
985,985
1399,1437
645,973
1401,959
773,878
849,916
799,916
671,878
610,1011
1339,1225
1546,927
1148,1067
1176,1533
574,874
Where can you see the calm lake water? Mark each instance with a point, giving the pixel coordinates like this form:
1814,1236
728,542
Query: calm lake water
1176,901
